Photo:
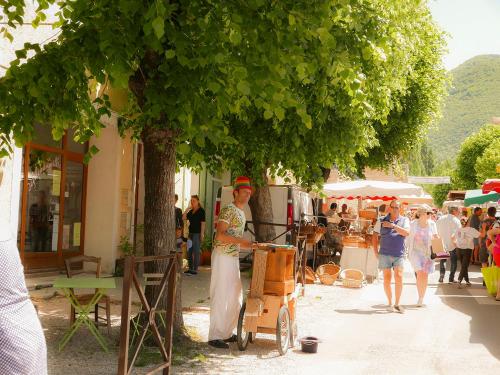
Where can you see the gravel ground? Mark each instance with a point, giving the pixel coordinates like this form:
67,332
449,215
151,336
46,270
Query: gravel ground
456,332
83,355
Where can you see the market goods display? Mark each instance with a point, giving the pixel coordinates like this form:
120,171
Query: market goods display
352,278
328,273
313,232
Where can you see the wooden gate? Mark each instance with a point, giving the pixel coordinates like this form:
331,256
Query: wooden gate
149,323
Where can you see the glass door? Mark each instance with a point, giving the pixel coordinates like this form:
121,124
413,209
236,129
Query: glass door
73,207
41,212
52,208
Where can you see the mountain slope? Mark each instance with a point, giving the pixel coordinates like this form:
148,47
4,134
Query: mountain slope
473,100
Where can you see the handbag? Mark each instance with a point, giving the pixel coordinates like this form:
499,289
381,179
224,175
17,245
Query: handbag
437,249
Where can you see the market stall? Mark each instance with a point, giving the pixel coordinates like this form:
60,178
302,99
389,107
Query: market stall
360,258
366,189
477,197
357,249
356,232
491,185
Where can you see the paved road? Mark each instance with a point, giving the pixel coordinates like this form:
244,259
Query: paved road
458,332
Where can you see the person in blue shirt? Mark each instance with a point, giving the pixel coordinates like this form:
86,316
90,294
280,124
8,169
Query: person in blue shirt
388,239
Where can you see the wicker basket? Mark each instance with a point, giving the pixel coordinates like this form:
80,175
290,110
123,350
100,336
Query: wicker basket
310,276
316,236
328,273
307,229
352,278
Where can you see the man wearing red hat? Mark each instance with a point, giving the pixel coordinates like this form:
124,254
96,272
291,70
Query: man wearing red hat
225,283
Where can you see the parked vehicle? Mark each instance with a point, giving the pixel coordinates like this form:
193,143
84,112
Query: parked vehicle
289,203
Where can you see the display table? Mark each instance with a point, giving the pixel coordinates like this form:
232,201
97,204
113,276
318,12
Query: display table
362,259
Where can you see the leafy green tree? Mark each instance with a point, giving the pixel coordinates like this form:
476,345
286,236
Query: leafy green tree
486,165
418,105
293,86
440,193
471,151
190,67
422,160
362,97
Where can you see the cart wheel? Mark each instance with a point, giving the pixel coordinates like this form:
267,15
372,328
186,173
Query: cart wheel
283,330
243,337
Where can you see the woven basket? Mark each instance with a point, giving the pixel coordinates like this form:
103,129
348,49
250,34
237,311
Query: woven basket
328,273
310,276
352,278
307,229
316,236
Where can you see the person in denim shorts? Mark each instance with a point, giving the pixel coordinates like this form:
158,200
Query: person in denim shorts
390,232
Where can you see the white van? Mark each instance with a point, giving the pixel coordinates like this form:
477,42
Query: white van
289,203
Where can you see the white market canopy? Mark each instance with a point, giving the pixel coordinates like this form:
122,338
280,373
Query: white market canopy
374,190
409,199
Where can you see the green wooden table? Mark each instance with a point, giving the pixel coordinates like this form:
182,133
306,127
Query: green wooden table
67,285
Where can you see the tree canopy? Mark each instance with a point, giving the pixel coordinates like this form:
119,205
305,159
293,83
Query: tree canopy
487,163
368,91
291,85
288,86
471,157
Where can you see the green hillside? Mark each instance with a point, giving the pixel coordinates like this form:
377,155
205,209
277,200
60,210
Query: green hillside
473,100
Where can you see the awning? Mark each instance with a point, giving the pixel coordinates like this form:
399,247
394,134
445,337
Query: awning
409,199
366,189
491,185
477,197
370,197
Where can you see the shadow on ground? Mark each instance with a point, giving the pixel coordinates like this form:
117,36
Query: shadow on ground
484,327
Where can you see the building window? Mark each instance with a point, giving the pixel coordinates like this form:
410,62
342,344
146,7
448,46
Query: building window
52,217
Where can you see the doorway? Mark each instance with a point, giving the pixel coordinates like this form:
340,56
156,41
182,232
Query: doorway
52,207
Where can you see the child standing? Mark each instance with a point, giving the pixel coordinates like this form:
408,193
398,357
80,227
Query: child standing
464,238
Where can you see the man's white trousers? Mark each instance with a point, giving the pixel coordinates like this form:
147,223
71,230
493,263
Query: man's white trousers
225,296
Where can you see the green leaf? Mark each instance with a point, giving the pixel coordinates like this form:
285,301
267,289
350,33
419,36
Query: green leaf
301,70
235,37
213,86
184,148
90,153
268,114
158,25
21,54
243,87
219,58
169,54
291,19
280,113
200,141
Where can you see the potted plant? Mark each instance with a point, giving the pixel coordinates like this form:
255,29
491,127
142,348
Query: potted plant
126,248
206,251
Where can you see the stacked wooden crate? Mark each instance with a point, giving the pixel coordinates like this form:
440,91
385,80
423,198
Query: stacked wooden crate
272,286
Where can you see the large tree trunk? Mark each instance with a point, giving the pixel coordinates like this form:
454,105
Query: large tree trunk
159,220
262,212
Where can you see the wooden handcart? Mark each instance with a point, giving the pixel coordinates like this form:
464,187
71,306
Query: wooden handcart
272,299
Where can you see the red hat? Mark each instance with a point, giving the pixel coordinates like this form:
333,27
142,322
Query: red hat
242,182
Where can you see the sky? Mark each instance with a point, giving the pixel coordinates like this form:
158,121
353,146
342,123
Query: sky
473,25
